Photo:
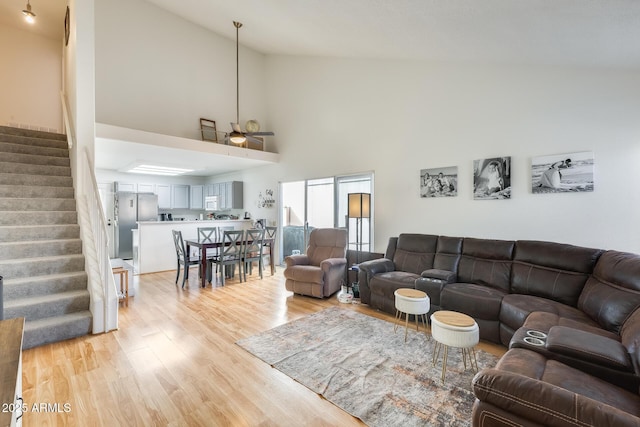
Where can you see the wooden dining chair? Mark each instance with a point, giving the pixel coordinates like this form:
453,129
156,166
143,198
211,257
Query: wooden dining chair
230,253
252,251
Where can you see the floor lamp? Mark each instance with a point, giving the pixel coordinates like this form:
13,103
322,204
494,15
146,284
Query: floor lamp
359,208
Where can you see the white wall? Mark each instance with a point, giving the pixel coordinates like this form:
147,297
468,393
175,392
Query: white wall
335,116
160,73
30,80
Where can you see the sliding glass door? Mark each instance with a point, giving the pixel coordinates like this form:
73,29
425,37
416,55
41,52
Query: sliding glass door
319,203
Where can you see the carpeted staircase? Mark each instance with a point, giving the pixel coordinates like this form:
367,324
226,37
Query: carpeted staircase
41,257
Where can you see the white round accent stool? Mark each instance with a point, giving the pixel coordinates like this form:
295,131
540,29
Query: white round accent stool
453,329
411,301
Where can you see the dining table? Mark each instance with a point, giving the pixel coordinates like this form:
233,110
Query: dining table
206,244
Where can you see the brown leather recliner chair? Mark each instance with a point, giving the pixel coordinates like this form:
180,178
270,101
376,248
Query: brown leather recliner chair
319,272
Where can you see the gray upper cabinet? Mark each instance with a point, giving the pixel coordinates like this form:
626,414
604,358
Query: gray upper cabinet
230,194
196,201
180,196
234,195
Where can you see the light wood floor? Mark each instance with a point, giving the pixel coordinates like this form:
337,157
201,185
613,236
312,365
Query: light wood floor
174,361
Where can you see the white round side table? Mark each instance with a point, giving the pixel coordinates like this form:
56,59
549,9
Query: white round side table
453,329
411,301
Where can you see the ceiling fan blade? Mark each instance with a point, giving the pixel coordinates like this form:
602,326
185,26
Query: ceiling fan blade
252,139
260,133
236,127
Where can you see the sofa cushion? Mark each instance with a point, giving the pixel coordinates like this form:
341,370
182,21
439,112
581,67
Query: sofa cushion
387,283
486,262
551,393
327,243
415,252
552,270
448,253
305,273
516,308
613,292
479,302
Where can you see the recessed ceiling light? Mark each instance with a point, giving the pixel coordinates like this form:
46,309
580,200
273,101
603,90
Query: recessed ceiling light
158,170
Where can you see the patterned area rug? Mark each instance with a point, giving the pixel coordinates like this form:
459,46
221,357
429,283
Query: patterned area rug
359,364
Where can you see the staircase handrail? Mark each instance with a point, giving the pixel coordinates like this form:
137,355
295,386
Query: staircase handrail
66,117
98,225
93,227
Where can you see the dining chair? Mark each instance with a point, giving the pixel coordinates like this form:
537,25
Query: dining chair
185,259
230,252
209,233
252,251
270,235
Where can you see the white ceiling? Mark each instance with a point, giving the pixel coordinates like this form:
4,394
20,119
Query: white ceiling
593,33
576,32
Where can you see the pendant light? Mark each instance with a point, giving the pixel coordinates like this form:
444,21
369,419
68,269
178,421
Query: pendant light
29,16
237,137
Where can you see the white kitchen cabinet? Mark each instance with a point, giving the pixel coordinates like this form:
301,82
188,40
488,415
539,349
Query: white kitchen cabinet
164,196
196,201
180,196
126,186
147,188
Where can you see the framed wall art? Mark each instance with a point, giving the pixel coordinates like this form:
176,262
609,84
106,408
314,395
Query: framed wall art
439,182
562,173
492,178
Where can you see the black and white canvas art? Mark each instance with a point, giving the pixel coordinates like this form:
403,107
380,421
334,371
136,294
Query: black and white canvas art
492,178
439,182
562,173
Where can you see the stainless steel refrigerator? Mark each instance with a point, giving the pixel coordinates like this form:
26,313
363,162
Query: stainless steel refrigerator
129,209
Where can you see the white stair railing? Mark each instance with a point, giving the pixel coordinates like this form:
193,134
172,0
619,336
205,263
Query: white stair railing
95,242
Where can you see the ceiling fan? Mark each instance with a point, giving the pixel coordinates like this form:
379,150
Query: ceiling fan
237,136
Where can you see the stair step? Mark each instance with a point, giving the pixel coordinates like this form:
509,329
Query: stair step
38,218
42,306
6,131
40,248
28,169
39,204
56,329
36,191
11,130
41,180
41,266
35,155
43,285
38,232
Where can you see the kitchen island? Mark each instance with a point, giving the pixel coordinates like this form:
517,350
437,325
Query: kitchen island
153,243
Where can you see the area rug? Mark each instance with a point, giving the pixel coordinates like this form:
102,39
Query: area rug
359,364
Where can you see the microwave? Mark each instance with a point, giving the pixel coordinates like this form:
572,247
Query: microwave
211,203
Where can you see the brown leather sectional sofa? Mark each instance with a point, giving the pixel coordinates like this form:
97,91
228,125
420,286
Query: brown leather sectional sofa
583,370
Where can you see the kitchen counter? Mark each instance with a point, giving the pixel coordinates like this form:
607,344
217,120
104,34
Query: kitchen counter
154,242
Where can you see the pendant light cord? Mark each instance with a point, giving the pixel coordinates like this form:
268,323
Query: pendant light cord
237,25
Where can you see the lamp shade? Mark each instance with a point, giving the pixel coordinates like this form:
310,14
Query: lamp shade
359,205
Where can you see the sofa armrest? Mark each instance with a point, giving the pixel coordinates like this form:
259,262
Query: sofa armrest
368,269
292,260
332,263
444,275
376,266
433,281
589,347
545,403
